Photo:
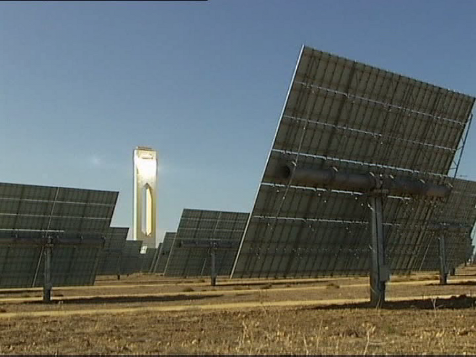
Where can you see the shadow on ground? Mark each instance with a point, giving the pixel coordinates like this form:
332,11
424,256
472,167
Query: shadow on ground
455,302
462,283
18,291
269,283
126,299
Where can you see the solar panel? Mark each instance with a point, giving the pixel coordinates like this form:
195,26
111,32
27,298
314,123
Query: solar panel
74,259
131,258
73,263
75,221
115,237
148,260
55,208
155,259
164,252
454,221
19,264
110,257
346,110
190,258
349,118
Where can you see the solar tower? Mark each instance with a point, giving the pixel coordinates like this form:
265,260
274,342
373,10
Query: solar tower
145,196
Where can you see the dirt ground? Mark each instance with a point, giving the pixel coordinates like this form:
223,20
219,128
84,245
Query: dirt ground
147,313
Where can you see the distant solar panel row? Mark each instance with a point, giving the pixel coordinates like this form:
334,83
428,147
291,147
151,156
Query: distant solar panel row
131,257
148,260
205,226
110,257
164,252
454,220
155,259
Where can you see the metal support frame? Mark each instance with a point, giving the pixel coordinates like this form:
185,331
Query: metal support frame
379,272
443,266
213,246
213,272
377,187
361,182
47,283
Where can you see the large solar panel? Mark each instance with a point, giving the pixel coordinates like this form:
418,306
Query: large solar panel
189,258
74,259
346,110
75,219
349,117
55,208
73,263
110,257
164,252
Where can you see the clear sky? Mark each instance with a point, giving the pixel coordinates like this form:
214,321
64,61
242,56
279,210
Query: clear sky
83,83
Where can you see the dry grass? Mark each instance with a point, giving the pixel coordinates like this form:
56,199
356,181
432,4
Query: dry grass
414,277
439,327
431,326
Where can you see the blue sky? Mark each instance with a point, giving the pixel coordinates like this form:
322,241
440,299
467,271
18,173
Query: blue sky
83,83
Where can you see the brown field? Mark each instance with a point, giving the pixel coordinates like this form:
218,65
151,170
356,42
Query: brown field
147,313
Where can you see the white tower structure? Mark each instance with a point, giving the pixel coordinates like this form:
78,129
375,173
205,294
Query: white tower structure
145,196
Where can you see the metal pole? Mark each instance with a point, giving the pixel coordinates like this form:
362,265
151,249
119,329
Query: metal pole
443,268
379,273
213,272
47,284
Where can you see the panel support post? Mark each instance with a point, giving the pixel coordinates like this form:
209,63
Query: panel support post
379,273
443,267
213,273
47,284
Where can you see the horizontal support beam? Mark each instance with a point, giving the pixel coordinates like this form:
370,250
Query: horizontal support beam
450,227
209,243
367,182
55,241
